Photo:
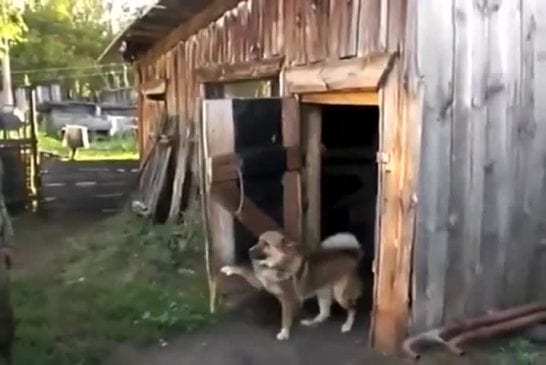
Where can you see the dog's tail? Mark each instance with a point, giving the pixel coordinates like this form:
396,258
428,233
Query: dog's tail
342,241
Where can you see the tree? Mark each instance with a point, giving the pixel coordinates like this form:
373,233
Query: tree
12,29
64,37
12,26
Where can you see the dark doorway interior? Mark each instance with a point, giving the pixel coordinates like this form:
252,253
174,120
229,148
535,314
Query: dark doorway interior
350,139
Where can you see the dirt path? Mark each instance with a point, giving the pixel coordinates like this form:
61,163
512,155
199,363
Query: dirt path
240,342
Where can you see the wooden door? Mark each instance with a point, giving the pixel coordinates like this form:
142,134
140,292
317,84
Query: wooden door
252,158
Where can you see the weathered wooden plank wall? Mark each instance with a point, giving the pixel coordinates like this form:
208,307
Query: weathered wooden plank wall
301,31
481,214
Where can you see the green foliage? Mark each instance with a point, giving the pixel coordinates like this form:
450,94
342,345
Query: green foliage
122,282
122,148
12,26
522,352
62,34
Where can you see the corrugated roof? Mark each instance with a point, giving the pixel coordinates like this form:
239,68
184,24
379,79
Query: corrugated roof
154,24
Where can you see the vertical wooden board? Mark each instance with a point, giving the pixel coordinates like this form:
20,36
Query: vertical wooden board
384,330
522,136
289,29
267,19
203,38
316,28
538,279
236,35
187,76
253,30
219,139
170,73
272,28
497,198
291,180
335,25
229,20
181,81
226,54
350,12
291,131
261,30
434,55
244,15
312,119
458,270
369,27
278,27
190,54
471,249
531,162
220,29
204,204
392,264
213,43
301,56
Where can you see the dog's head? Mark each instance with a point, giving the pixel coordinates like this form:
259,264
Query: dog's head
273,250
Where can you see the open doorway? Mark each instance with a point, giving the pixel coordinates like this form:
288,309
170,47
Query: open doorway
350,141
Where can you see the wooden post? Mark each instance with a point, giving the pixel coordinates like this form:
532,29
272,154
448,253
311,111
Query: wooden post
35,180
291,131
312,120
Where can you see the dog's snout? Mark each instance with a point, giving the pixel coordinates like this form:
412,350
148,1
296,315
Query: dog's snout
256,253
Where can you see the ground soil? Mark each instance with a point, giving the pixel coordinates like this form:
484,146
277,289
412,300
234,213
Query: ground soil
244,337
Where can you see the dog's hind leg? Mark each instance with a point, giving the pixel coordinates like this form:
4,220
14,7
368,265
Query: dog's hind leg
324,297
346,296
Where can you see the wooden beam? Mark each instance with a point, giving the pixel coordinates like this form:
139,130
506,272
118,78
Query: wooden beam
226,167
342,98
153,87
241,71
228,195
366,73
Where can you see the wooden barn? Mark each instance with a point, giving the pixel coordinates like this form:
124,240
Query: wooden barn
420,126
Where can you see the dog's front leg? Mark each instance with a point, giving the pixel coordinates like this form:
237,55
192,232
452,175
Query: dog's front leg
288,305
245,272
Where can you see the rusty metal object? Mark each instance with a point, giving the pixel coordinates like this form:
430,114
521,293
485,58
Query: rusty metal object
495,330
494,323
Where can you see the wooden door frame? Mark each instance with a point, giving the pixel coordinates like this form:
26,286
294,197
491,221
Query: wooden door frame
388,320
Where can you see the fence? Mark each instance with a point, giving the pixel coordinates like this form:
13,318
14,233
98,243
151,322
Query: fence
17,160
90,186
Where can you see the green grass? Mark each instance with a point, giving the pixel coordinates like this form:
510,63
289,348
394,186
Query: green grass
520,351
112,149
130,282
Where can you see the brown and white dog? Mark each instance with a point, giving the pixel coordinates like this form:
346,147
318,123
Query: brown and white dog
281,268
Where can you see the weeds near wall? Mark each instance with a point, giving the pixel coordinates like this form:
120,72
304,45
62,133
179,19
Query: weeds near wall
126,281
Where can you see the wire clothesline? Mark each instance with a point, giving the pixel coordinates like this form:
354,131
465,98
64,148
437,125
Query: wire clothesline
75,77
75,68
